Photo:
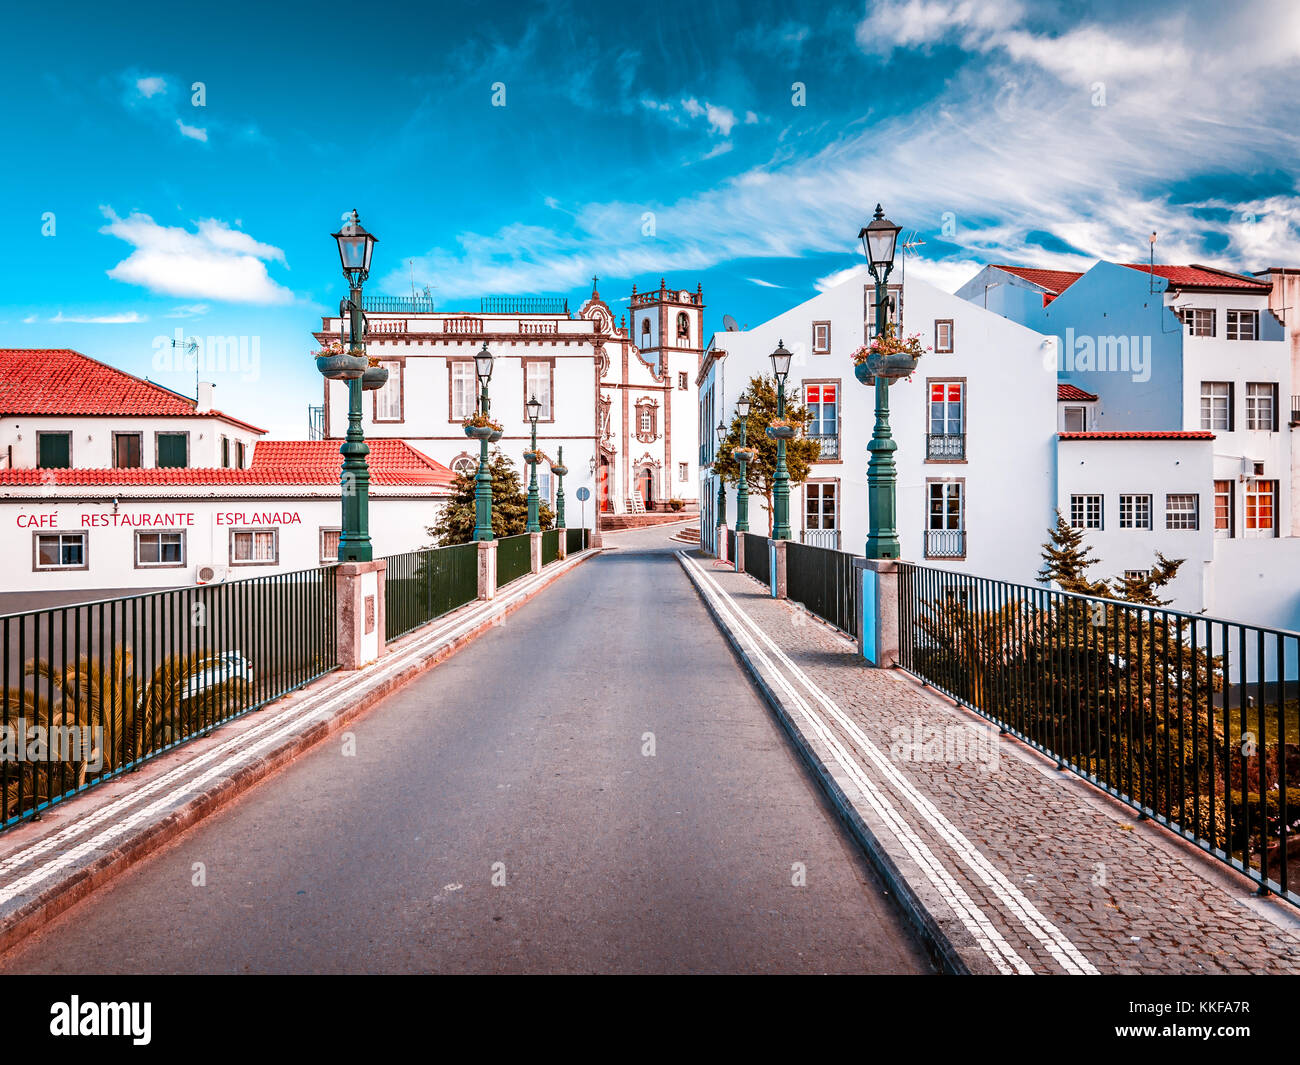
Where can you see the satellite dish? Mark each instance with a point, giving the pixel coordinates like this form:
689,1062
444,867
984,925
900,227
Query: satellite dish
729,324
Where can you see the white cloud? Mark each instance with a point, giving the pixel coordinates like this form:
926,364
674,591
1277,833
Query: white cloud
30,319
216,262
188,310
150,87
721,148
125,318
765,284
193,132
750,118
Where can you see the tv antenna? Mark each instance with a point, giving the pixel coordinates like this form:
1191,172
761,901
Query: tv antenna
190,346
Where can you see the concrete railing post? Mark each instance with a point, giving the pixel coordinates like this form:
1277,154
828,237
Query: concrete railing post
878,601
564,544
740,552
776,560
722,542
535,551
360,621
487,569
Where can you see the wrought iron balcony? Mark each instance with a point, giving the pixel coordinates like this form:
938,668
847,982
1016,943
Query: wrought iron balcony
524,305
945,445
945,543
830,445
829,538
397,304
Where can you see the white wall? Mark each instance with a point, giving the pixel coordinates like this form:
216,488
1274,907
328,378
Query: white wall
92,438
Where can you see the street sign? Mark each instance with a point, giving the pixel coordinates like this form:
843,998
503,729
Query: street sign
584,494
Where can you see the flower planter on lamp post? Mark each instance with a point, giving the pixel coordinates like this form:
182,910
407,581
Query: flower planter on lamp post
534,406
559,469
483,479
781,431
744,455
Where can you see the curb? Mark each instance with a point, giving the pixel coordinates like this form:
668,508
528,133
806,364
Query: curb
67,889
928,928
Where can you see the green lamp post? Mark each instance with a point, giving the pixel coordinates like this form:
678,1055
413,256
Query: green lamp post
483,480
559,469
878,240
722,485
355,249
741,455
781,482
534,406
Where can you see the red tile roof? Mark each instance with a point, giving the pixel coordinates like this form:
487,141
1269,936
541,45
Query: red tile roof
1064,391
1142,434
58,381
275,462
1054,282
1196,276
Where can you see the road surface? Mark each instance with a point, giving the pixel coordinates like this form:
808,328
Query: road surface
594,786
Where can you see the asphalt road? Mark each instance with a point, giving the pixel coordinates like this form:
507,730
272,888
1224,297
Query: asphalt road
502,814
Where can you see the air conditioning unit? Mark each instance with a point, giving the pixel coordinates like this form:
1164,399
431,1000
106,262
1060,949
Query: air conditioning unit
210,575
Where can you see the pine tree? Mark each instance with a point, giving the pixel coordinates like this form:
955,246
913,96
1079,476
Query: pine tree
455,524
1066,559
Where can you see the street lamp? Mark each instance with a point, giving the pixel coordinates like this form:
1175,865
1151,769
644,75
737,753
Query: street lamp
534,406
781,484
355,249
722,487
879,238
559,469
741,455
483,480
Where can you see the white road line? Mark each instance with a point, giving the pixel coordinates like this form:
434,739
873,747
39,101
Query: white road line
243,746
977,923
1055,942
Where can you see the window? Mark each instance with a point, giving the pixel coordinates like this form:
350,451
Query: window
1076,419
645,332
945,529
819,505
947,426
1261,507
821,338
60,551
173,450
1086,512
239,454
1216,405
822,401
682,472
1182,511
1243,325
1261,406
893,301
159,549
683,382
464,464
544,484
388,400
1135,512
127,451
1224,510
537,382
1136,574
254,547
943,336
54,451
463,383
683,329
225,452
329,544
1200,321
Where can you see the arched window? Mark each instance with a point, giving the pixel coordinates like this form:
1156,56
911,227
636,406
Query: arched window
684,325
465,464
645,332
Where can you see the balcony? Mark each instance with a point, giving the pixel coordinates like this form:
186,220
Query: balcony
828,538
945,447
830,445
945,543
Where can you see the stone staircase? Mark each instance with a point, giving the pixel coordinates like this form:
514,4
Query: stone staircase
615,522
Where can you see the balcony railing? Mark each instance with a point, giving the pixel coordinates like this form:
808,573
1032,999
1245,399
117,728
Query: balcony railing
524,305
462,325
397,304
830,444
945,543
945,445
827,538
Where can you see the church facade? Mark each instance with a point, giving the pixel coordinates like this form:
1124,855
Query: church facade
624,411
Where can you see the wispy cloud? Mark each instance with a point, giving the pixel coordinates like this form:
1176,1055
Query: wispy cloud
213,262
764,284
151,86
122,318
188,310
194,133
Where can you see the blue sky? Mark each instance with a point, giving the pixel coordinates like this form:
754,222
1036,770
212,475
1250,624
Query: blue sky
1041,133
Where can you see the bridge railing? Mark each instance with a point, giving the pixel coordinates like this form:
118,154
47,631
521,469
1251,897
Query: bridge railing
1191,720
757,563
514,557
824,581
91,690
575,540
421,586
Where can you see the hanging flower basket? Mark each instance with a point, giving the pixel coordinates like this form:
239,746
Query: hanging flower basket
745,454
534,456
782,429
338,365
374,377
560,471
887,356
496,435
481,427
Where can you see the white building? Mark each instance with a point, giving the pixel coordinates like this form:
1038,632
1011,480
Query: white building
624,413
110,482
975,427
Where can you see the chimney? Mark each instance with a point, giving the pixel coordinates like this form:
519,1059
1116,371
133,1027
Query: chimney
204,403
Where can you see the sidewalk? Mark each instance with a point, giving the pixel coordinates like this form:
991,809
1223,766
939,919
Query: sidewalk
78,845
1005,864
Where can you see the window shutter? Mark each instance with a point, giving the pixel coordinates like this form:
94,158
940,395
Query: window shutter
1275,405
171,450
1232,406
55,451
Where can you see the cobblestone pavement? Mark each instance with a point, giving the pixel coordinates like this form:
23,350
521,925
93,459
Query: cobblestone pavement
1022,867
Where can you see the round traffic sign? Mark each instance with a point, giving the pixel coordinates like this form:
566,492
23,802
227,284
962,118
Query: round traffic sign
584,494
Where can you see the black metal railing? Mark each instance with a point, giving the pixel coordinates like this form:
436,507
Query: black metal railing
550,546
397,304
945,445
420,586
524,305
731,544
824,581
574,540
757,564
945,543
1194,721
830,444
514,557
113,683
